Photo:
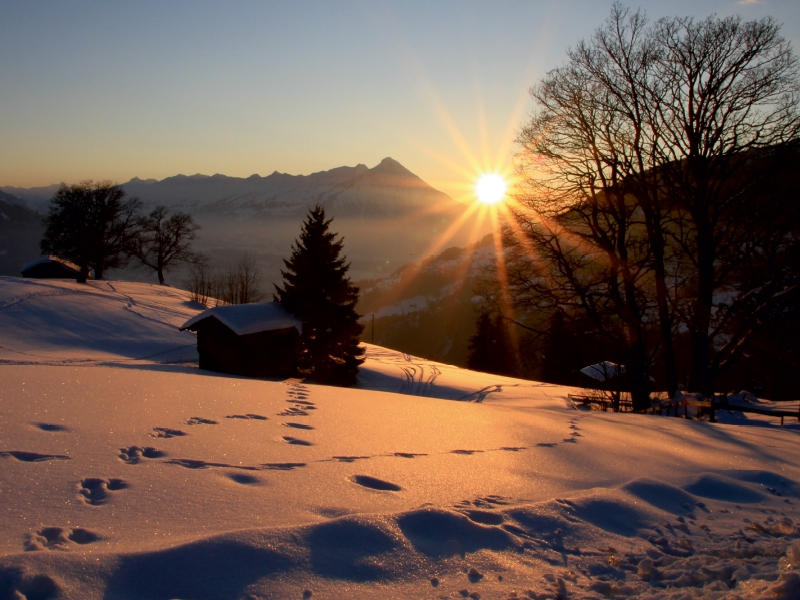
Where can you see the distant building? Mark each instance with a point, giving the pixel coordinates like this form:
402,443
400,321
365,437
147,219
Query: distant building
256,340
51,267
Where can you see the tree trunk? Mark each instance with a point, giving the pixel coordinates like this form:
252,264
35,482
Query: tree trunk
637,376
700,379
665,320
83,275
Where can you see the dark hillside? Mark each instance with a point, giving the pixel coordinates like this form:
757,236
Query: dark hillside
20,231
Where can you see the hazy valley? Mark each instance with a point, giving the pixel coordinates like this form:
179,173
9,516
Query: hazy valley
388,215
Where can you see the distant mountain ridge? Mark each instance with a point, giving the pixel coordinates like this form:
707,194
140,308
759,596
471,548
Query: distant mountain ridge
386,190
387,215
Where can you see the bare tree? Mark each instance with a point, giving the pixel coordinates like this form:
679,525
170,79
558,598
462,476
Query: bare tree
163,239
642,165
240,283
237,283
91,224
580,239
728,99
202,281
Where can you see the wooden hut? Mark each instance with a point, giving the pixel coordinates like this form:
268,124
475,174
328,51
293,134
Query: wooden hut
256,340
51,267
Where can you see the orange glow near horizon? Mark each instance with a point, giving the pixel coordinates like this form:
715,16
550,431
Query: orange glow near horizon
484,182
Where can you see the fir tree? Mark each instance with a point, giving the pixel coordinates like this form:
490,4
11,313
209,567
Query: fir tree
317,291
490,350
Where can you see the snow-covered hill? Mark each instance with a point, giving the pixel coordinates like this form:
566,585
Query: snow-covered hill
126,472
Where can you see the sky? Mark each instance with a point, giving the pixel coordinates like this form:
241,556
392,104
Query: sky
113,90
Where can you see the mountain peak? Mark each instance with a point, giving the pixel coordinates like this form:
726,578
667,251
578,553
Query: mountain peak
138,181
390,165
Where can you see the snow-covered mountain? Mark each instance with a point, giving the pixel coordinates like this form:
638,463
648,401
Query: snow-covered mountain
386,190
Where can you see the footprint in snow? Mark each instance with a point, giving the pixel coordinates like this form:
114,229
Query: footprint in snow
243,478
201,421
297,426
50,427
248,416
293,412
282,466
190,463
166,432
349,459
465,452
295,441
484,517
59,538
94,490
375,484
491,501
407,455
32,456
304,403
133,455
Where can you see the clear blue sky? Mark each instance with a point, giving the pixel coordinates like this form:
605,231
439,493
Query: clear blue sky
112,90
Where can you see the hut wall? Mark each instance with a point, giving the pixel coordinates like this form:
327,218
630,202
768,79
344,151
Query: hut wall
263,354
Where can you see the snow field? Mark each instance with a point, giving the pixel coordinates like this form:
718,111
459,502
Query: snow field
134,477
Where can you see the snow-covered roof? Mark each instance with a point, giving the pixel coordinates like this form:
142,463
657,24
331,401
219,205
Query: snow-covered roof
603,371
244,319
52,259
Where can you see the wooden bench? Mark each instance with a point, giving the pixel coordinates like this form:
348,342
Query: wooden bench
710,407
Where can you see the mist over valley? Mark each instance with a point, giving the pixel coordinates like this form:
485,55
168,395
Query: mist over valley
388,216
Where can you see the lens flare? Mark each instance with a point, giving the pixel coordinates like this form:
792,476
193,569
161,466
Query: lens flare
490,188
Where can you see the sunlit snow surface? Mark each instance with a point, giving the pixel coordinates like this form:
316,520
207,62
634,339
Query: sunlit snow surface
126,472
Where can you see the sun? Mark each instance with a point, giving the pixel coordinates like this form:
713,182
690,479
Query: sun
490,188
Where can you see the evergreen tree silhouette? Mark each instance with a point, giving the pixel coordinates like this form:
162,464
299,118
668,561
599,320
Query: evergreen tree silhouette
490,350
317,291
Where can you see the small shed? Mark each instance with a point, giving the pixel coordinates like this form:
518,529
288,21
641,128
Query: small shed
256,340
604,372
51,267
